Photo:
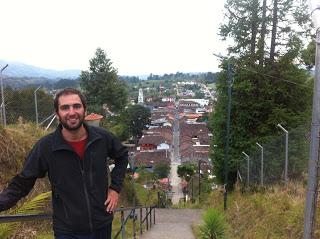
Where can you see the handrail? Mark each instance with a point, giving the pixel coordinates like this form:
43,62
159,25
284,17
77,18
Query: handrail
147,219
24,217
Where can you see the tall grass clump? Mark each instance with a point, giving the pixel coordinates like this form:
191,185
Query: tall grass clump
214,225
15,143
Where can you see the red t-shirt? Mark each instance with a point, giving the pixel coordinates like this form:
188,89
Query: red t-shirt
79,147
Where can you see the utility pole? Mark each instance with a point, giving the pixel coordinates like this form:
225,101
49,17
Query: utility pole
2,97
312,187
199,171
226,159
133,187
227,139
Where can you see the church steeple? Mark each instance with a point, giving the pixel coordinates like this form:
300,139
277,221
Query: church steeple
140,97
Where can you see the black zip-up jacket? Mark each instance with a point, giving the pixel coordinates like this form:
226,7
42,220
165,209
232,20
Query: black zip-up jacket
79,187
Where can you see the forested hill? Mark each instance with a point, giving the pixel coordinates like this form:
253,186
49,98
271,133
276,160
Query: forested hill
207,77
23,82
17,69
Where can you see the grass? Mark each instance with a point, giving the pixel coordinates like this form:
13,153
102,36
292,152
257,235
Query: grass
274,212
15,142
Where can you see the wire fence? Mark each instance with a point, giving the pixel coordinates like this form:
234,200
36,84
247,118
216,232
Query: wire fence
267,165
31,104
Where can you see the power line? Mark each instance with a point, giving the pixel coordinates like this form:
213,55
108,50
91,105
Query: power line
275,77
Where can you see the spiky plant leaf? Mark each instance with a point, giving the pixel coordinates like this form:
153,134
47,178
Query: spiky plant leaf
34,206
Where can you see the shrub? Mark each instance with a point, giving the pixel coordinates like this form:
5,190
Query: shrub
214,226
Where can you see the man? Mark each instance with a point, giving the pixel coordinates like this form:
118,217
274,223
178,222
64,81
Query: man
75,158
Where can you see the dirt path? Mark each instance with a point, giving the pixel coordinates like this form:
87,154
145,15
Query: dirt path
174,224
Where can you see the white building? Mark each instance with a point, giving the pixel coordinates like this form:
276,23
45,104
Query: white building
140,97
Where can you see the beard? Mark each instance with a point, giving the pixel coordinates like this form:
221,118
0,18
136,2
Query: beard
72,126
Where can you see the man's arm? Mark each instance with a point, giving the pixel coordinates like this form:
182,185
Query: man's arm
120,155
22,184
18,188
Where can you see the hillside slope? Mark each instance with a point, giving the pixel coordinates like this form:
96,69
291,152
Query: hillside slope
273,212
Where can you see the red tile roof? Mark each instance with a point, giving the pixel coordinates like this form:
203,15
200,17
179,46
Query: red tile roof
93,116
152,139
151,158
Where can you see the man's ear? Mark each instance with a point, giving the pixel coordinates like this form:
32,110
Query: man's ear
57,116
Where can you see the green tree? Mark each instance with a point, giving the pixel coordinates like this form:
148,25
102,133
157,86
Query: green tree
135,117
120,130
247,23
309,55
263,94
186,171
161,170
101,84
63,83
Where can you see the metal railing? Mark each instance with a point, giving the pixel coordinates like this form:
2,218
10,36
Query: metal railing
146,216
146,219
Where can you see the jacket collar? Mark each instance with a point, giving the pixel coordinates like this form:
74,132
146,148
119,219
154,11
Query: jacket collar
60,143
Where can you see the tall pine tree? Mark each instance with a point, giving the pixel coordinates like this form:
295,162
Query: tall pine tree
270,86
101,85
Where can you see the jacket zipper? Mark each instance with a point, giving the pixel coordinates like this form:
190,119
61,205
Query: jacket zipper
86,193
91,170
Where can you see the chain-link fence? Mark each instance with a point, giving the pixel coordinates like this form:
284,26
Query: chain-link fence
31,104
267,164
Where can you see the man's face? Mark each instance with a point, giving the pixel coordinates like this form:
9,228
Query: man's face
70,112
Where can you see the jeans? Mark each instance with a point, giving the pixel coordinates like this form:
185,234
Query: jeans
103,233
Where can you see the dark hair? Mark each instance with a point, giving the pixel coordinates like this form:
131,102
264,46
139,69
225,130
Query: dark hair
68,91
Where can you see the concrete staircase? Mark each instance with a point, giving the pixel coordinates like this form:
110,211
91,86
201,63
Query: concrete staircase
174,224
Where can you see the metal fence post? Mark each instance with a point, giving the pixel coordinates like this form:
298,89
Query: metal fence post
261,179
134,223
123,231
286,155
147,219
2,98
248,167
36,105
150,217
141,221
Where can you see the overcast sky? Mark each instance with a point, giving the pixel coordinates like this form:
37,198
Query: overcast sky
139,36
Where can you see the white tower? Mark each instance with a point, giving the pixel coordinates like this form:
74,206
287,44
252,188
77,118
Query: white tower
140,97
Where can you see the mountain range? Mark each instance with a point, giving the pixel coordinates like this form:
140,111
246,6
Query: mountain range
17,69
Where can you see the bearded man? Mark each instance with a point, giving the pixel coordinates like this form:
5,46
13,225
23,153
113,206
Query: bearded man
75,158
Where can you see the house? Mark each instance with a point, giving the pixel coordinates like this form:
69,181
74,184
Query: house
151,158
153,142
165,131
194,142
